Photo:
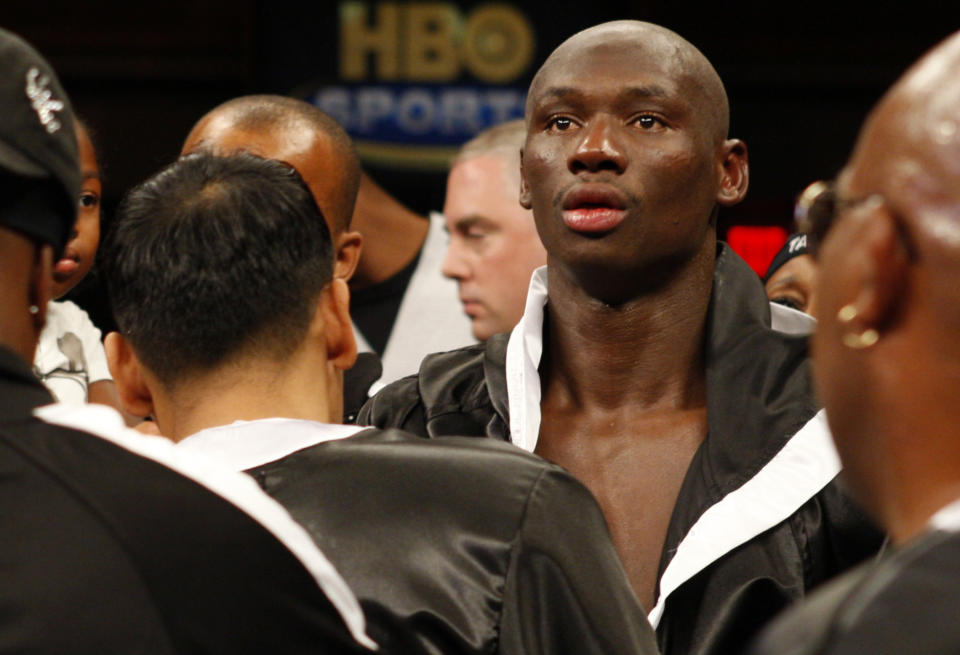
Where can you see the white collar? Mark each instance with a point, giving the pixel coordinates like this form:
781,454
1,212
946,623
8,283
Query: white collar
524,350
947,518
806,464
243,445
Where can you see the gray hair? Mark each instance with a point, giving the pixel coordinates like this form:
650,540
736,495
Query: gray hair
504,139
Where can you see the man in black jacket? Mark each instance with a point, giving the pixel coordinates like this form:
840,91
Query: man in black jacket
113,543
474,547
887,358
645,363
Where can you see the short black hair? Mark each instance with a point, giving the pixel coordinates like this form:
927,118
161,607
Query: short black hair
213,256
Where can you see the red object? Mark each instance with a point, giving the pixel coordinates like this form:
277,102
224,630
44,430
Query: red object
757,244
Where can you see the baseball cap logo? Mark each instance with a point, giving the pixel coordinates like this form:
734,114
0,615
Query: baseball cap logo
42,101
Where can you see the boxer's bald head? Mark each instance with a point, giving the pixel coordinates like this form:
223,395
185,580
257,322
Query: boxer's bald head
646,41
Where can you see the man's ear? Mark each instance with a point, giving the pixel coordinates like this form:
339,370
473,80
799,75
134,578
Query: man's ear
349,245
127,371
525,200
338,327
41,285
734,173
882,265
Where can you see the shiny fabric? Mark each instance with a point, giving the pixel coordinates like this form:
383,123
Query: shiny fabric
759,394
104,551
907,603
475,546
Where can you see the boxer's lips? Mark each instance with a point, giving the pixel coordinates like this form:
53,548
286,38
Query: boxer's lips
594,208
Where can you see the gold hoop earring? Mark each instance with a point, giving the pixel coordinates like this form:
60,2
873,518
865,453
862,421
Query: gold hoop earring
865,339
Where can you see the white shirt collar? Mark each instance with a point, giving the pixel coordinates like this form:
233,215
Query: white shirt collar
524,350
243,445
947,519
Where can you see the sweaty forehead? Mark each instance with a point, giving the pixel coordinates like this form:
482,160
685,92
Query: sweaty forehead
219,134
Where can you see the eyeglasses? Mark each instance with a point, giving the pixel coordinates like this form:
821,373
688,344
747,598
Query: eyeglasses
817,209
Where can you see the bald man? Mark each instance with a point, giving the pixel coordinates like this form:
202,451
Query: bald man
645,363
301,136
887,358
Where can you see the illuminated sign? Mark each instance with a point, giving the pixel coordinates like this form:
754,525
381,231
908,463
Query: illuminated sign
417,79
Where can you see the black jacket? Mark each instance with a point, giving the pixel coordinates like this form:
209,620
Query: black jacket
727,567
475,546
909,602
103,551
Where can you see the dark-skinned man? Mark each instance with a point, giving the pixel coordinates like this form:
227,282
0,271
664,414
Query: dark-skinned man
887,355
649,369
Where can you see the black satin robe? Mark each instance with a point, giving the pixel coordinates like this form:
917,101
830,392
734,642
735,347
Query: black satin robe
475,546
103,551
907,603
759,394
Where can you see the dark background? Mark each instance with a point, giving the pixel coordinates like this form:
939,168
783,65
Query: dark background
801,76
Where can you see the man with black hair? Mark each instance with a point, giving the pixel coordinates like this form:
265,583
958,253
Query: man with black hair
645,363
112,542
473,546
401,305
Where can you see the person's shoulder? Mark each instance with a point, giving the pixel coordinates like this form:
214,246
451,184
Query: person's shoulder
449,387
128,481
482,462
803,629
905,603
909,602
499,473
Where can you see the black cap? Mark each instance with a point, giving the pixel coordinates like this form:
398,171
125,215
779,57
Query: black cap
795,246
38,143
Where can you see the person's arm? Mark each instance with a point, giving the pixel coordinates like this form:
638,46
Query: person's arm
398,405
566,591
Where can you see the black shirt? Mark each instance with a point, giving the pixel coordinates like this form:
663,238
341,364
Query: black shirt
907,602
103,551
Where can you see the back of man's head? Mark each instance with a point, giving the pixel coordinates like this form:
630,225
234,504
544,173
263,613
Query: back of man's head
886,347
292,131
215,257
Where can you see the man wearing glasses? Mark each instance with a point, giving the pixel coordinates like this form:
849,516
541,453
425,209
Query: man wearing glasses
887,357
645,363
